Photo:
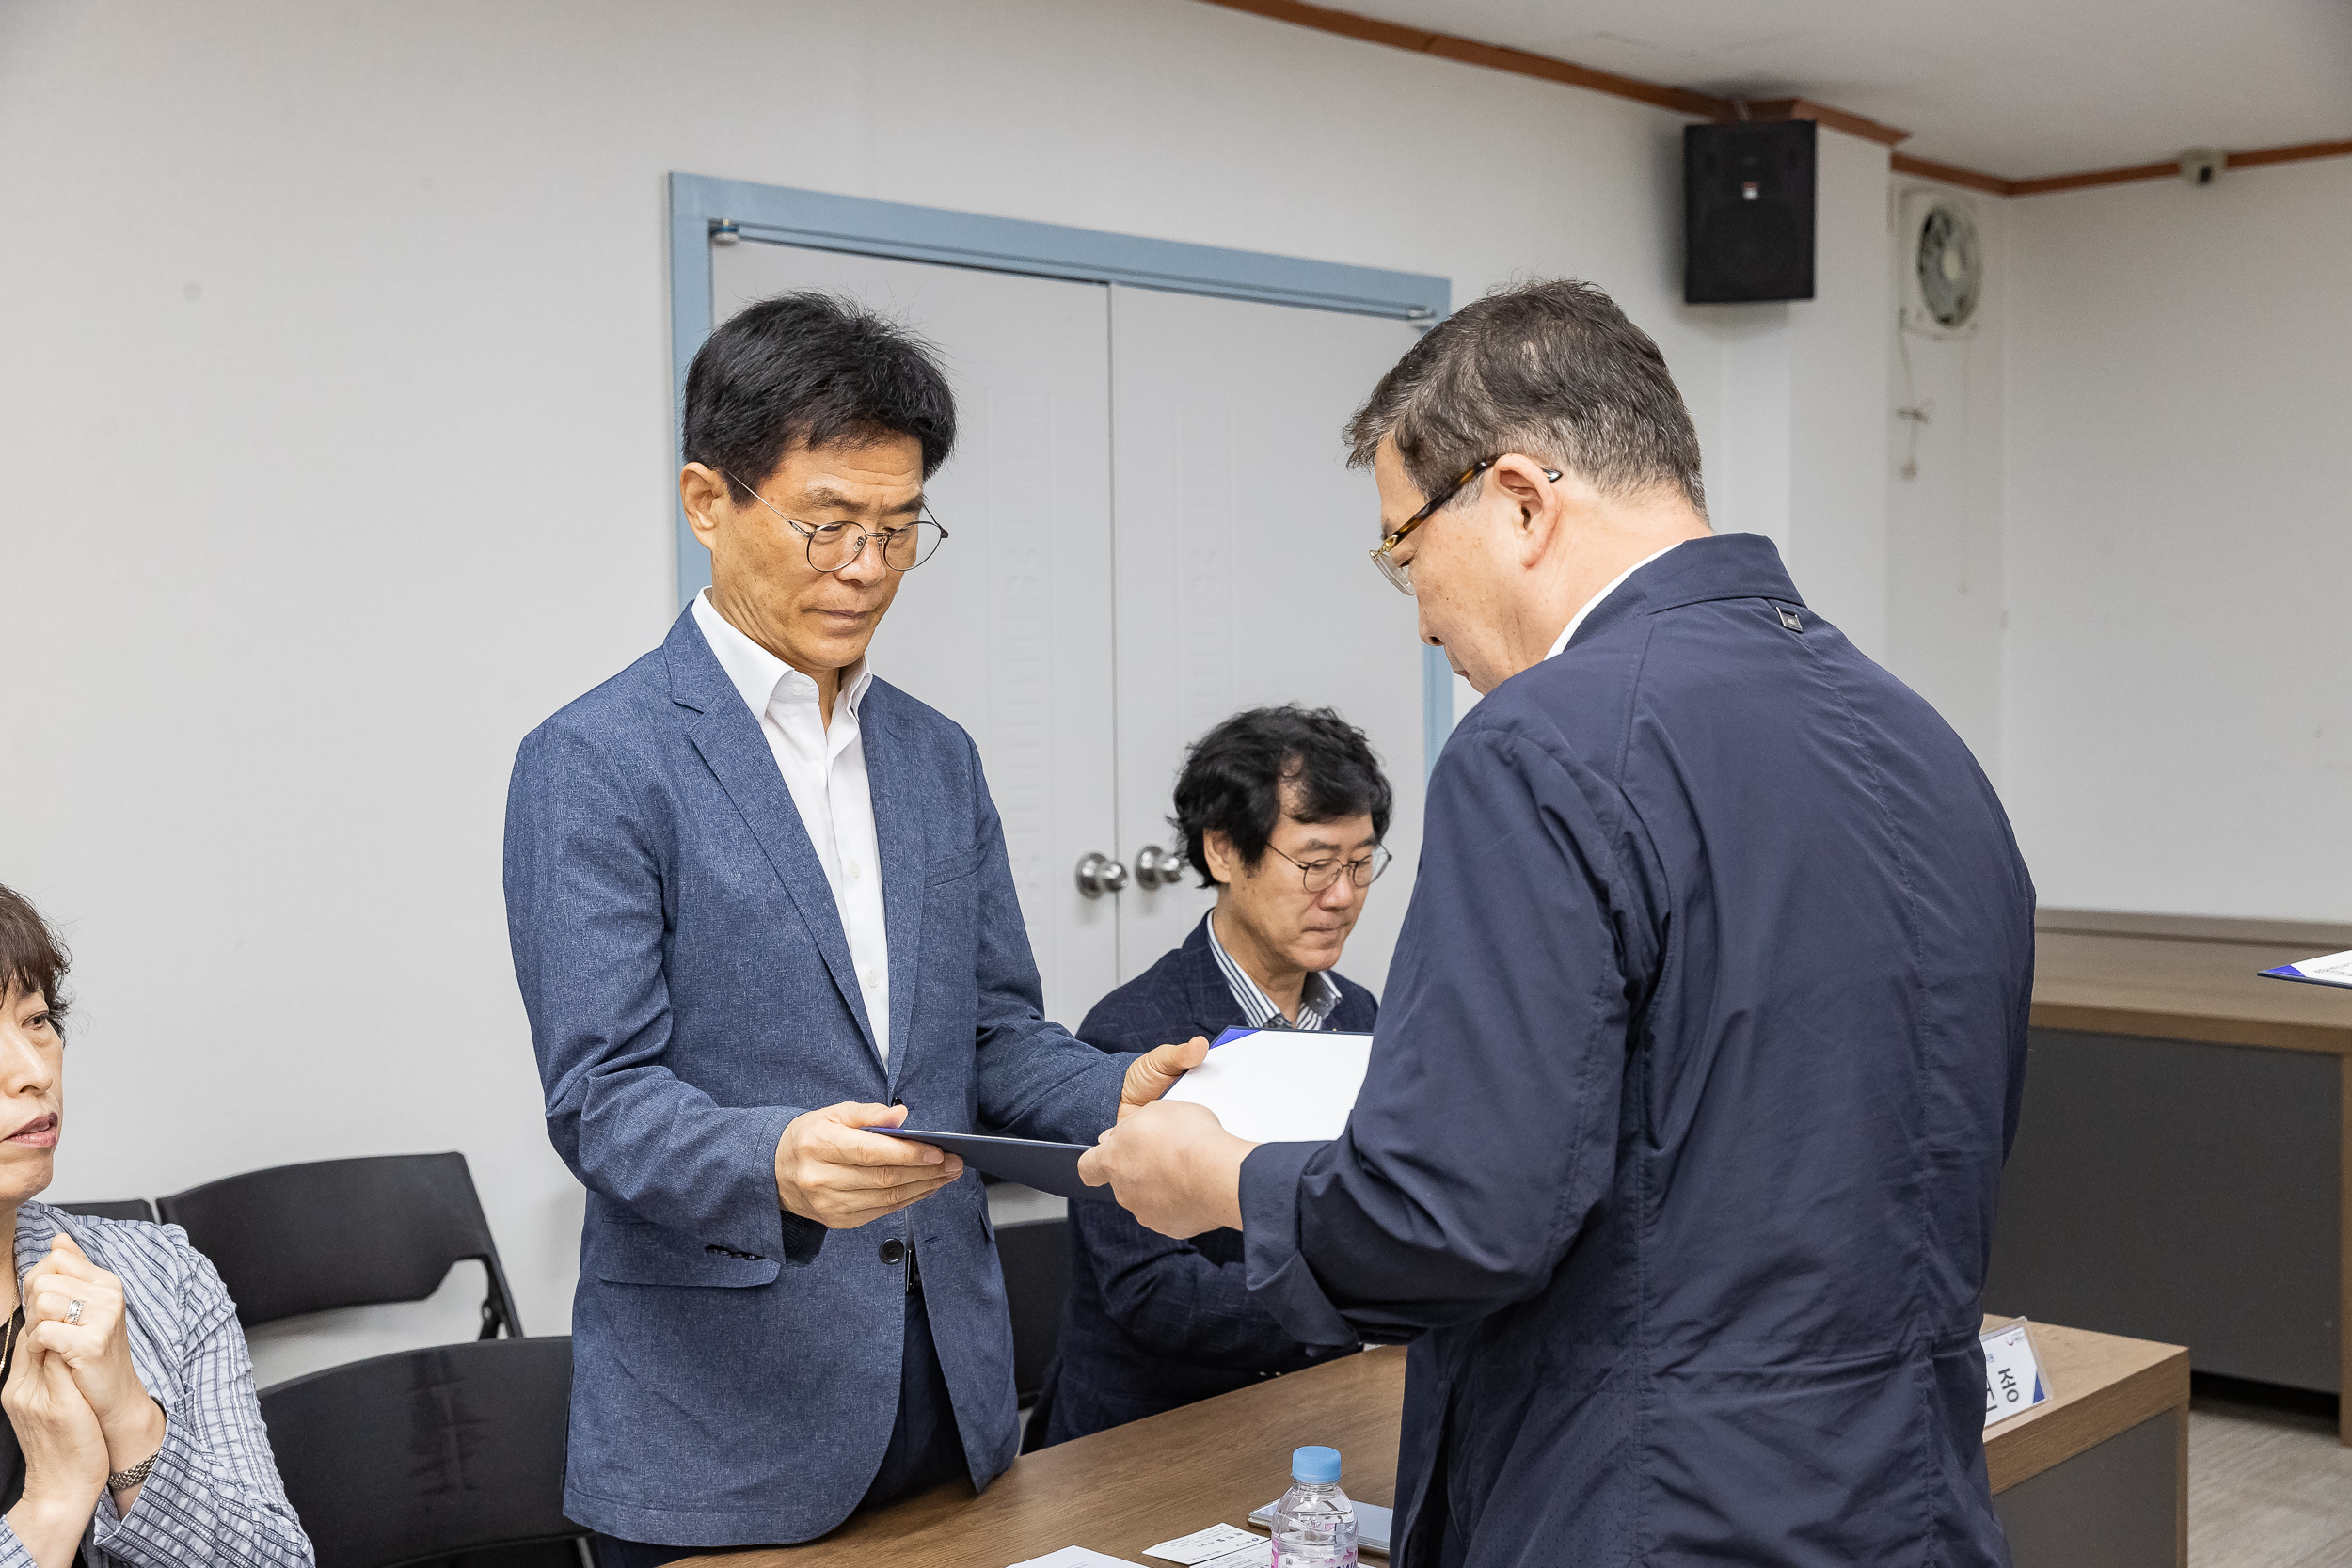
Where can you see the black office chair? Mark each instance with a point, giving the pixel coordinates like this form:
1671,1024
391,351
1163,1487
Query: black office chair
113,1208
1035,1255
301,1239
451,1453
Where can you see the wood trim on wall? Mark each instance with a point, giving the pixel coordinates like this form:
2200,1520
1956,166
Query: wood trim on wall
1523,62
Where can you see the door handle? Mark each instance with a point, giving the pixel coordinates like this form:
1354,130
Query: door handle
1099,875
1158,867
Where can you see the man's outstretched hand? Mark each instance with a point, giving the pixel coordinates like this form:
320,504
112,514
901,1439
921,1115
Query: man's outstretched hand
831,1171
1153,1073
1173,1167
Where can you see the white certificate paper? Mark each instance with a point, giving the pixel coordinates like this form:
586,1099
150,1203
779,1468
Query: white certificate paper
1280,1085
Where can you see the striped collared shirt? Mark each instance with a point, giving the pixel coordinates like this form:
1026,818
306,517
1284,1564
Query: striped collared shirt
213,1495
1318,998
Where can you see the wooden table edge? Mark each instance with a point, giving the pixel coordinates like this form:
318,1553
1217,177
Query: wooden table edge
2028,1445
2101,1018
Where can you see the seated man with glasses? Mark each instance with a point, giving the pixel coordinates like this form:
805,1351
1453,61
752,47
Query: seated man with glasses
1282,812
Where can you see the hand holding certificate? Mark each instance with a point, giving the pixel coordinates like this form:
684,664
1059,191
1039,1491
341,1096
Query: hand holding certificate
1176,1165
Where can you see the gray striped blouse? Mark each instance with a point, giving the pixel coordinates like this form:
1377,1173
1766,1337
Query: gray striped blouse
214,1496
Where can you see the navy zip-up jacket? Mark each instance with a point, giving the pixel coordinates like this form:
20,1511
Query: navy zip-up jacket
1693,1079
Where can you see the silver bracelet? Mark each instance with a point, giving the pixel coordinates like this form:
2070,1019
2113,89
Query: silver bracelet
122,1481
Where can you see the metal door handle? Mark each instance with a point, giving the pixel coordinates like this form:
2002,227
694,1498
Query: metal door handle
1099,875
1158,867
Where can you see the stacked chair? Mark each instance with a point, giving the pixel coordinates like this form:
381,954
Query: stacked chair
449,1456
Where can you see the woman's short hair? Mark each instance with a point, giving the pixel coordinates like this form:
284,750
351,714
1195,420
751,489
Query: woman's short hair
31,957
1241,776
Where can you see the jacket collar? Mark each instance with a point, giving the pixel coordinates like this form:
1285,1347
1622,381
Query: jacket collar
1206,994
1721,566
729,740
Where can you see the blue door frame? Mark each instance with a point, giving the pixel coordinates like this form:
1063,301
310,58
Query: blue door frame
701,206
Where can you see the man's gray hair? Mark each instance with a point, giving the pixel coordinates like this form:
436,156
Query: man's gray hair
1550,370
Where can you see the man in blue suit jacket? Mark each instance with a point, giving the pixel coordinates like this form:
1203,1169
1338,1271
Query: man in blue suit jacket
1703,1043
1282,811
759,901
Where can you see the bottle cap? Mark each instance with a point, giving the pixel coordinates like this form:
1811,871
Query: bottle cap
1316,1467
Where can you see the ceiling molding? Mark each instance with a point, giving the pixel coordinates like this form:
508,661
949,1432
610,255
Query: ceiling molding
1521,62
1951,174
1804,108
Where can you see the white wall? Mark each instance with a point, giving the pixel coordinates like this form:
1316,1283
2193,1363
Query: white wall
335,452
2177,725
1943,562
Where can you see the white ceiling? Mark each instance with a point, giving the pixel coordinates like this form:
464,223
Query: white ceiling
2011,87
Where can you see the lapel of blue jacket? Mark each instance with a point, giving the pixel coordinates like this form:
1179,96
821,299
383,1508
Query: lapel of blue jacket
737,753
894,779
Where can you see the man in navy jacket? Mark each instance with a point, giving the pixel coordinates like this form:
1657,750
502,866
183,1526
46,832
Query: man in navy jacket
760,902
1281,811
1702,1046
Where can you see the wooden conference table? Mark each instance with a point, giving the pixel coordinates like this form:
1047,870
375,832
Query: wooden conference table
2097,1476
2181,1171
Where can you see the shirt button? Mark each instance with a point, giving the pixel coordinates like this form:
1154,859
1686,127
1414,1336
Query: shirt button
852,870
892,1250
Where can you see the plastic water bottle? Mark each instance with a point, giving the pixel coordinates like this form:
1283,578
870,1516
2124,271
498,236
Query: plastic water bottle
1315,1524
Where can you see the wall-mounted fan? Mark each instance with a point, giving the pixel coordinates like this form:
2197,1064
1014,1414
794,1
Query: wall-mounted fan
1946,278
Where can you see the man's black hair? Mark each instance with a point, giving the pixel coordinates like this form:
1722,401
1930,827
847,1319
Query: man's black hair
810,370
1240,776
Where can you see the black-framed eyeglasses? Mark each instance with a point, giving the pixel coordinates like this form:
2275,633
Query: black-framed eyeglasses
1318,875
1400,573
835,546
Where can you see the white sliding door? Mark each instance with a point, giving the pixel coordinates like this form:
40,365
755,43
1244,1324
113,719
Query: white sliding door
1006,628
1242,571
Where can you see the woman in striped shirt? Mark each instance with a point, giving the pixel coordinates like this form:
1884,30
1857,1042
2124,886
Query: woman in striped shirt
132,1435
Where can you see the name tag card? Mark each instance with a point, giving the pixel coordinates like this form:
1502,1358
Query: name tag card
1207,1545
2013,1383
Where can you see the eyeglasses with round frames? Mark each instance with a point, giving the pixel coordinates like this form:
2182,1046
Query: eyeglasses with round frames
835,546
1318,875
1400,573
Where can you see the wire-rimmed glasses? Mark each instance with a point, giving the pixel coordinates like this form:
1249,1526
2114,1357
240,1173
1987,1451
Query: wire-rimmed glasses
1400,573
835,546
1318,875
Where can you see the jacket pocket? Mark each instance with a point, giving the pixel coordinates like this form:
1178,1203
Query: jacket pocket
957,866
633,1252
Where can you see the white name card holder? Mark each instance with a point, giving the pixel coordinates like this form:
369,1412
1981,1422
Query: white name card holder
2013,1380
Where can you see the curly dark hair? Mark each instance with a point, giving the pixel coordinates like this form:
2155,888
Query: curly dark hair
1237,776
31,957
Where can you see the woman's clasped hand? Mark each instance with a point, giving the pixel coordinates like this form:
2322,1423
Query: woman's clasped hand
77,1401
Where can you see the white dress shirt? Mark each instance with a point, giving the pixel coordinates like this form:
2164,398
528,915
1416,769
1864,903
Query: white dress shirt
1594,603
824,767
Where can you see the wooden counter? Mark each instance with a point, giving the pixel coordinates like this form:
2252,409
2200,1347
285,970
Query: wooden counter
2181,1170
1134,1486
2177,978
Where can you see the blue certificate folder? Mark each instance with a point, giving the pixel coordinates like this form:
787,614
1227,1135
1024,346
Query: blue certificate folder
1048,1167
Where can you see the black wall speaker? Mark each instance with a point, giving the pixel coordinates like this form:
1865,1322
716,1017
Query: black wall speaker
1747,211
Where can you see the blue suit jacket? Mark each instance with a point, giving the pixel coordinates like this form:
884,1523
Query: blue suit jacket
1152,1322
736,1369
1694,1077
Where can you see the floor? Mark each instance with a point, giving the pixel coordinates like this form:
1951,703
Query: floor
2266,1489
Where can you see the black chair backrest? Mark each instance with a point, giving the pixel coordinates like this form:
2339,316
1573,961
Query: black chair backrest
301,1239
418,1455
113,1208
1036,1259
